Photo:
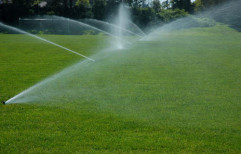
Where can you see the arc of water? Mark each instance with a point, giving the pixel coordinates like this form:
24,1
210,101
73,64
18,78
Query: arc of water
42,39
95,28
48,79
83,24
40,19
113,25
103,22
144,34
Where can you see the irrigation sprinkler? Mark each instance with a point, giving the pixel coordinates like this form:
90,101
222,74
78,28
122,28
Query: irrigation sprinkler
3,102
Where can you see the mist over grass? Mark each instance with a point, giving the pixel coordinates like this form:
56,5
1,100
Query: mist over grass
48,59
175,91
178,94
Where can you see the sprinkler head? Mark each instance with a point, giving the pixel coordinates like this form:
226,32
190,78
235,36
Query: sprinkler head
3,102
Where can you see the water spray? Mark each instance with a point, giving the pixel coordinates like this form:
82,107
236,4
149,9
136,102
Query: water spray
27,95
111,25
138,28
40,38
85,25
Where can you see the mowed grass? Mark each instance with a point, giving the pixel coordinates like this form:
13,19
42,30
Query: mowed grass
25,60
178,94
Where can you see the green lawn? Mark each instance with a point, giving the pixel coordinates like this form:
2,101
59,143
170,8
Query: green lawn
180,93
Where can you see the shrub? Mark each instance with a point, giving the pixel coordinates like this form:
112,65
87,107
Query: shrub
169,15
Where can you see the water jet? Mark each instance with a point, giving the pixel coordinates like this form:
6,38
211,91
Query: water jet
112,26
42,39
115,35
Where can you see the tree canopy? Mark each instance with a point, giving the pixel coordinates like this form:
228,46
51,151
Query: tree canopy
144,12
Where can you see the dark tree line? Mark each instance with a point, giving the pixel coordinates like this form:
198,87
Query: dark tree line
144,12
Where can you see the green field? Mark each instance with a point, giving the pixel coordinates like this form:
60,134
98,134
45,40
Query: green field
177,94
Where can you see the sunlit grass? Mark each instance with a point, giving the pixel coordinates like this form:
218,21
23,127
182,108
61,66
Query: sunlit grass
180,93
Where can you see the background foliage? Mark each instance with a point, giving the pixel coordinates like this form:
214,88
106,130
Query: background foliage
145,13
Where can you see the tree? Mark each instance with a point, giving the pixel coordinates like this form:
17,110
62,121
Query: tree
111,7
12,10
182,4
187,5
202,4
156,5
207,3
198,5
98,9
82,9
82,3
135,3
165,4
144,16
